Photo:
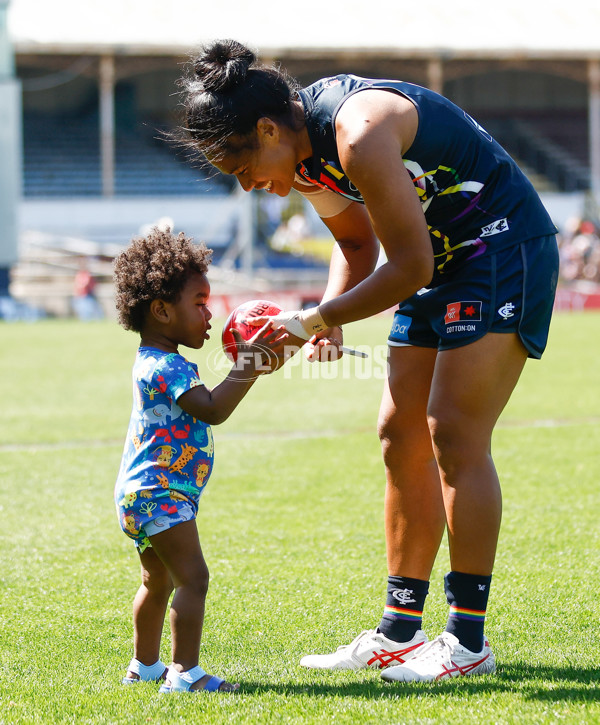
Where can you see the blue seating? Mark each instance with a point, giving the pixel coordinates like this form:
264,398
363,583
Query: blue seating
554,146
62,159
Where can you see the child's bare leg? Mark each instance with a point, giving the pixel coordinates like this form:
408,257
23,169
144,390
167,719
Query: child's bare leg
179,550
149,608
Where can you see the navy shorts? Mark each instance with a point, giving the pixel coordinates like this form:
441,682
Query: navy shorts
510,291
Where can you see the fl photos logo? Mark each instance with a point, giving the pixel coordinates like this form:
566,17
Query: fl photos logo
297,365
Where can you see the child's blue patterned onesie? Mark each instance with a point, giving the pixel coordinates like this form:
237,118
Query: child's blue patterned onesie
168,454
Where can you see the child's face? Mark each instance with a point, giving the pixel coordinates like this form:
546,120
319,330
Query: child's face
190,317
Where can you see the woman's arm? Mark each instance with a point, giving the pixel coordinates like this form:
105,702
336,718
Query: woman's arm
353,258
355,254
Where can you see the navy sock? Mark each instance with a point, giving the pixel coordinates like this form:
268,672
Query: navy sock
403,611
467,595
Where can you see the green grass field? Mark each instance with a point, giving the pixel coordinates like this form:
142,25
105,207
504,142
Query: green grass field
292,529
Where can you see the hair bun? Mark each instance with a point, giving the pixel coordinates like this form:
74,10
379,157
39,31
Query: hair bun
223,65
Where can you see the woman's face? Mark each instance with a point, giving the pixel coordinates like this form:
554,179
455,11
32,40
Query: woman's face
269,165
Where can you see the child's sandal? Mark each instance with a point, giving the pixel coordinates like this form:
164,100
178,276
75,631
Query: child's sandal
145,673
183,681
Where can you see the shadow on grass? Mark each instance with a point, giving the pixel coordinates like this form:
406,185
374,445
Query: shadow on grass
532,682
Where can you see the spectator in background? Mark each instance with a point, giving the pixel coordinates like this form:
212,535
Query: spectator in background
580,252
289,235
85,302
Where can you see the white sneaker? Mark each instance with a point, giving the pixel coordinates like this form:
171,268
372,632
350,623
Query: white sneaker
443,657
370,649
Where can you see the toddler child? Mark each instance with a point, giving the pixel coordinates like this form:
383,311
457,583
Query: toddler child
162,293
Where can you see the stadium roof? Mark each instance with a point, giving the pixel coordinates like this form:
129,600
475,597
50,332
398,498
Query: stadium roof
528,28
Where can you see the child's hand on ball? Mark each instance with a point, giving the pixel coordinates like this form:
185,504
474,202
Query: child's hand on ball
262,352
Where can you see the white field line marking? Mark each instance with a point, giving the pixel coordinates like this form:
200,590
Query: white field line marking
289,435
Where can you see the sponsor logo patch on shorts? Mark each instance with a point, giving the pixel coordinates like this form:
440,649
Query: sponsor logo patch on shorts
400,327
463,311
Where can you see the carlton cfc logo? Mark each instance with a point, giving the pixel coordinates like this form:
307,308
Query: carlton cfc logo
463,312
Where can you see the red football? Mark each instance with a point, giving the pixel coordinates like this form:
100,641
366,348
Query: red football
254,308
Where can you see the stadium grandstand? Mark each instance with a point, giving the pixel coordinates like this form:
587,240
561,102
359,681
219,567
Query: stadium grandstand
98,97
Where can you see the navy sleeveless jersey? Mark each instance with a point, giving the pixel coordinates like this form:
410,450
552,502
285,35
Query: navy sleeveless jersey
475,198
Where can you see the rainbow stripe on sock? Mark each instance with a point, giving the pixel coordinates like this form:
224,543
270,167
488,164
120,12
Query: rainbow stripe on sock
411,615
473,615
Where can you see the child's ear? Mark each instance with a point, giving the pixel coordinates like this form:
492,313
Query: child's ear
160,311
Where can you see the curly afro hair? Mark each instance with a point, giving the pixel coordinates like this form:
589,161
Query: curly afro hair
153,267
